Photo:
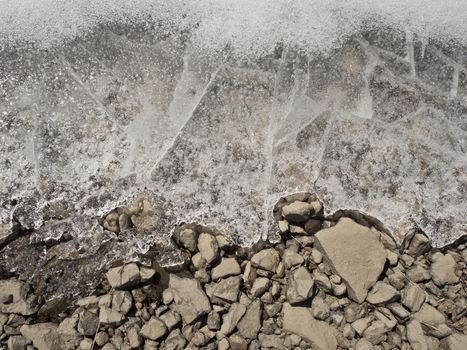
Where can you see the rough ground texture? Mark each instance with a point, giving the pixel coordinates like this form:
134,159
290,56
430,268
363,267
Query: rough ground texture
227,297
111,140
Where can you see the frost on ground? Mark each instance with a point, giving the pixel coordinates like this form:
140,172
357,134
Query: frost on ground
375,123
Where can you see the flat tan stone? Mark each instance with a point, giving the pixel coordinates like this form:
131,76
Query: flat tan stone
300,321
354,253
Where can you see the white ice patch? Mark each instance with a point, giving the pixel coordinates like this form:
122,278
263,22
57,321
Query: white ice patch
249,27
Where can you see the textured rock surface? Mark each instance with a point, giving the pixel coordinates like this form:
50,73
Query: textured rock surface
342,244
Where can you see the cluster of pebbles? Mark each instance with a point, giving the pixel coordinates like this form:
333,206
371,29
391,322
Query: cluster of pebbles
329,283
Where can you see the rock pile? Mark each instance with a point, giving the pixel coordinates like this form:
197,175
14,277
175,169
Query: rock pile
330,283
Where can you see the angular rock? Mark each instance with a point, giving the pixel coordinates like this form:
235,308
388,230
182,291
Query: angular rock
231,318
455,341
300,286
443,269
208,247
190,300
415,335
88,323
153,329
267,259
416,244
297,212
362,324
413,297
322,281
188,240
363,344
260,286
110,317
320,309
17,342
385,316
44,336
122,301
128,275
227,290
250,323
228,267
382,293
15,297
299,320
291,259
433,322
171,319
355,253
399,311
376,332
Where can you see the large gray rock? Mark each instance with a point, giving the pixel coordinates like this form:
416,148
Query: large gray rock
354,253
232,317
299,320
227,267
266,259
300,285
190,300
153,329
443,269
15,297
382,293
44,336
250,323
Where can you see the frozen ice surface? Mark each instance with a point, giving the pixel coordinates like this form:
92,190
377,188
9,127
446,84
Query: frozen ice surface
370,118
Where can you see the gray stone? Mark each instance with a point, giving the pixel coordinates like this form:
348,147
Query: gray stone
267,259
227,267
418,273
322,281
455,341
375,333
17,342
385,316
190,300
354,253
362,324
208,247
187,239
399,311
214,321
382,293
171,319
134,337
364,344
122,301
291,259
433,322
413,297
176,343
88,323
44,336
153,329
227,290
299,320
443,269
110,317
416,244
15,297
232,317
320,309
128,275
297,212
300,286
415,336
260,286
250,323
